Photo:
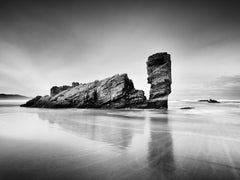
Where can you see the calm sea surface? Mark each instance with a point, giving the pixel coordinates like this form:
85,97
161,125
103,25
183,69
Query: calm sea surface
69,144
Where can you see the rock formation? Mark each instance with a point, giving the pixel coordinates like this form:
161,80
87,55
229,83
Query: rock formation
159,76
115,92
55,89
209,101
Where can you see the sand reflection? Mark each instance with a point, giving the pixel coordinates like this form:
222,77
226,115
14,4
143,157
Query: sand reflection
94,127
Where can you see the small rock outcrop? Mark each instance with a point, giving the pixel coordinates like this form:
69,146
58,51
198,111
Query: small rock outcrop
209,101
74,84
159,76
187,107
115,92
55,89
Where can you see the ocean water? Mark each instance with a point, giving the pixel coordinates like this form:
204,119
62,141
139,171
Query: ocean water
79,144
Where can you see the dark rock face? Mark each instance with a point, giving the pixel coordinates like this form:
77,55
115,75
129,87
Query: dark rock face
159,76
55,89
32,102
115,92
74,84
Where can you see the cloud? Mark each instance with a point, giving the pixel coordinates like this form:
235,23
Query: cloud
226,83
224,87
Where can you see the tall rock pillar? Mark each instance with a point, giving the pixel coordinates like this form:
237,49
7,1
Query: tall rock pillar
159,76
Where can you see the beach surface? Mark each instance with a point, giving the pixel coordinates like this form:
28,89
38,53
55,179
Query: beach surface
73,144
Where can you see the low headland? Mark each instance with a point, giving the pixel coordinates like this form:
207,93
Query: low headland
4,96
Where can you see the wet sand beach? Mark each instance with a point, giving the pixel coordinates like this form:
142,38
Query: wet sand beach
199,143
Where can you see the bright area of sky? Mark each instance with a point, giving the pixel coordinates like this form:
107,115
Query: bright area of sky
47,43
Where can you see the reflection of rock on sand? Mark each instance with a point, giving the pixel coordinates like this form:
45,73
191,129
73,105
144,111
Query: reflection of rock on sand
161,160
92,126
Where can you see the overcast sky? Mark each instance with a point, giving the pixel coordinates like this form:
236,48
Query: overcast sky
47,43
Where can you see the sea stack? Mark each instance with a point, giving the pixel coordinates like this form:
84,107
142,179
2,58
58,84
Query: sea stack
117,91
159,76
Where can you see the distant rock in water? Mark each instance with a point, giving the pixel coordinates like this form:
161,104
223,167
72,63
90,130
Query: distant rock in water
12,96
115,92
209,101
187,107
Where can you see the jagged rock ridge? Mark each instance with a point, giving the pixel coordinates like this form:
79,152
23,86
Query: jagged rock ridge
115,92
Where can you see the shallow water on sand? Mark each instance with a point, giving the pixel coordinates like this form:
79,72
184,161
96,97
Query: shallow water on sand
200,143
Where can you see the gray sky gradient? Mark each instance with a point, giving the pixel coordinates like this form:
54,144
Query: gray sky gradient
46,43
